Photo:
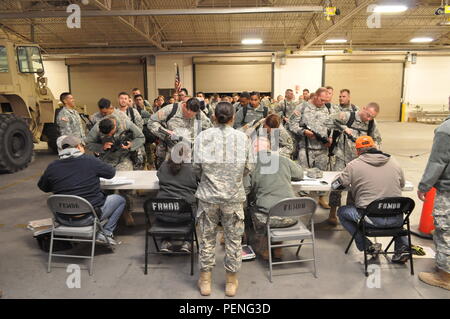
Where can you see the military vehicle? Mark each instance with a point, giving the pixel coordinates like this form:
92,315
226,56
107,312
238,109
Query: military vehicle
27,106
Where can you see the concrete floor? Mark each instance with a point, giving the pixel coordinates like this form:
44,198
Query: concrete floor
120,274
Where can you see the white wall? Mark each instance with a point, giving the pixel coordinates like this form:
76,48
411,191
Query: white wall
58,78
428,81
305,72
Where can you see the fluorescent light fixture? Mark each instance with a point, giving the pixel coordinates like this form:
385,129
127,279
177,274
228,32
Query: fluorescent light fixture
252,41
390,8
421,40
335,41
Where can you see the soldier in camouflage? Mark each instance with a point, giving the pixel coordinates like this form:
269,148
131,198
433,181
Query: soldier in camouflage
353,125
105,109
286,107
179,119
437,174
222,158
68,120
247,116
344,102
149,148
315,138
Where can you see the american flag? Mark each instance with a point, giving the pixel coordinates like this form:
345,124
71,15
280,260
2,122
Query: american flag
177,81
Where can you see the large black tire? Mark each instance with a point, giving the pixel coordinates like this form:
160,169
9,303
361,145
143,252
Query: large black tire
16,143
51,133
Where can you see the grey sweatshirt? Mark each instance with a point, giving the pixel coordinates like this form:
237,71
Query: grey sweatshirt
437,172
371,176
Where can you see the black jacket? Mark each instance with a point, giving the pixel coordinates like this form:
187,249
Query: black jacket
77,176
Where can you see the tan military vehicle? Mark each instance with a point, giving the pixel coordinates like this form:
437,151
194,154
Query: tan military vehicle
27,107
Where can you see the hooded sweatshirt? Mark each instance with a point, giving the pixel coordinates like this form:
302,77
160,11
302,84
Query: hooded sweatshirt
371,176
437,172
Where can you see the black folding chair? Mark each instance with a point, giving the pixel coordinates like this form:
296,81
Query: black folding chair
386,207
178,209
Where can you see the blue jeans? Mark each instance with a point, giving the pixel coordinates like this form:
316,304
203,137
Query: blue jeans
349,217
112,209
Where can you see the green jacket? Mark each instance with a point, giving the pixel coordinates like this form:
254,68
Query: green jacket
437,172
270,181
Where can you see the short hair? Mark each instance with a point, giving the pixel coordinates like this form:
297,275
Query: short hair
345,90
224,112
320,91
193,104
312,95
328,87
306,90
123,93
185,91
289,90
103,103
200,93
375,106
235,94
106,125
273,121
138,95
135,89
245,95
63,96
254,93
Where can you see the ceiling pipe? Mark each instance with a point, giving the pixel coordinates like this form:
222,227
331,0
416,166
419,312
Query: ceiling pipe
160,12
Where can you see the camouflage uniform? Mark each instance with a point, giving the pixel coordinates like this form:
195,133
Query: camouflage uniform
150,148
253,114
139,122
221,157
345,150
180,125
286,143
120,117
286,108
441,236
348,108
69,123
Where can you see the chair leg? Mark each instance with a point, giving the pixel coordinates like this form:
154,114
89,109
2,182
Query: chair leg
410,249
270,255
91,268
388,246
192,254
351,242
156,244
146,251
299,246
314,256
196,239
365,255
50,251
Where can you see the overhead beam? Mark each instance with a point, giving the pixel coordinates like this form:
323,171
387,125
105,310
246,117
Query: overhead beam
342,21
160,12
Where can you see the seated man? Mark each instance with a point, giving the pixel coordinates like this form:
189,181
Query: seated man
177,180
371,176
269,183
76,173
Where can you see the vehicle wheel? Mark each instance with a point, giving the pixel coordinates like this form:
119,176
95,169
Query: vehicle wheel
16,143
52,133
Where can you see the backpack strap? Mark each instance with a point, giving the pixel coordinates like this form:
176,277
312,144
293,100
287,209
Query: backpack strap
173,112
244,114
370,128
351,119
266,111
131,111
328,105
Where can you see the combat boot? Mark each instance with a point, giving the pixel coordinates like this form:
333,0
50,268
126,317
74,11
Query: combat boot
231,285
323,202
438,278
332,219
204,283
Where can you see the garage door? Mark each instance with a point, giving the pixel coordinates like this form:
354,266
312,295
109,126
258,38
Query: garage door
379,82
92,80
233,75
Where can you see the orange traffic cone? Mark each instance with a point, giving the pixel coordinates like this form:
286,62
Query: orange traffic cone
426,225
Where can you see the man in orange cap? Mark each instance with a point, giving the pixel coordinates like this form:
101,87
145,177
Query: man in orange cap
371,176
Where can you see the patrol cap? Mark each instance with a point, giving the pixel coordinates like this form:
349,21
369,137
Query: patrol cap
67,141
364,142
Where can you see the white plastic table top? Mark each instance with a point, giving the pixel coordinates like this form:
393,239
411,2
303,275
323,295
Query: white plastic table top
147,180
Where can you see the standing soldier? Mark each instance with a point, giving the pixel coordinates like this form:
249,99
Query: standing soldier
352,125
314,136
437,174
68,119
221,159
344,101
149,145
177,120
252,113
286,107
106,108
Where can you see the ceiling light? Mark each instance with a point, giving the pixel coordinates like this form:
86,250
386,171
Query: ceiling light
252,41
390,8
421,40
336,41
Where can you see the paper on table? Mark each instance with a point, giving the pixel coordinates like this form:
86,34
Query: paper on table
116,181
309,182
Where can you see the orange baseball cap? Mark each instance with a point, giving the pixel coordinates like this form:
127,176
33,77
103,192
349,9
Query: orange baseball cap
364,142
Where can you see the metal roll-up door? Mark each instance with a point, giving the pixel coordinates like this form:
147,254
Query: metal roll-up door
94,79
369,81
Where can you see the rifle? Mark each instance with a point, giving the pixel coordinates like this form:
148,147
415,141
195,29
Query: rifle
320,138
170,139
